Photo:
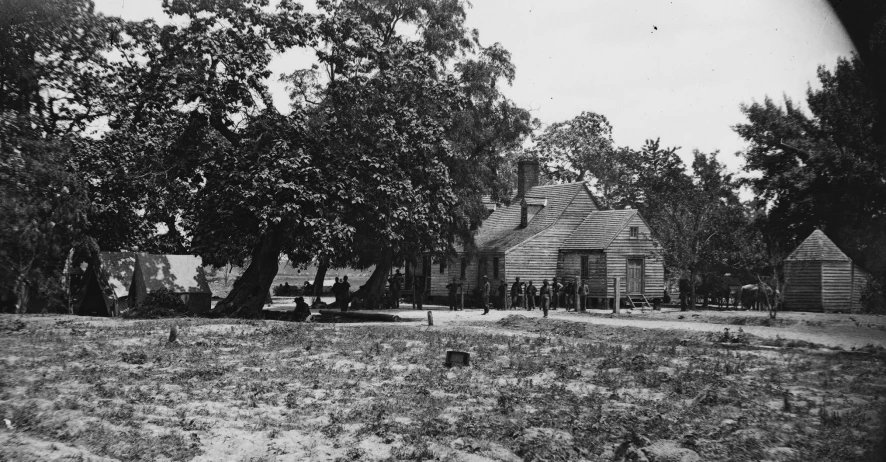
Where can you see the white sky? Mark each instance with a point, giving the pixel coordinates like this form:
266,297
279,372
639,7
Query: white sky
682,82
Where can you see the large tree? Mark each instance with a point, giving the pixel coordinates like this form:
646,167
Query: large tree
825,168
53,73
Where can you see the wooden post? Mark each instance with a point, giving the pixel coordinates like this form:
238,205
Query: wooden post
462,297
430,318
575,294
617,308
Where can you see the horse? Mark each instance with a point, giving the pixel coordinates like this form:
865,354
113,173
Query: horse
756,296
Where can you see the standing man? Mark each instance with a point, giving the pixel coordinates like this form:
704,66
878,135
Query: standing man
570,295
486,289
515,288
545,296
555,293
531,290
521,296
396,286
453,292
345,287
336,292
583,292
503,295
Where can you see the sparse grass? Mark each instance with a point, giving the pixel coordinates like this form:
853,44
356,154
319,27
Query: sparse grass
537,390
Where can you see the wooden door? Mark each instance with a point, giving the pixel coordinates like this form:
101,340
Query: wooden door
635,276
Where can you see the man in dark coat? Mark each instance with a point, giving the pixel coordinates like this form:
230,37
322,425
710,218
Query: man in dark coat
583,292
336,292
515,293
453,291
486,289
570,295
302,311
396,285
531,291
345,291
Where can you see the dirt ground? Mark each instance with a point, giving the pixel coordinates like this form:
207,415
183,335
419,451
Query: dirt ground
574,387
846,331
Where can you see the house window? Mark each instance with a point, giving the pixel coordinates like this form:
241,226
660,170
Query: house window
585,271
495,267
524,214
442,266
464,267
635,232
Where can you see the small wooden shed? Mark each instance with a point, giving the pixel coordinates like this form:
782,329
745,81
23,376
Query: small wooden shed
820,277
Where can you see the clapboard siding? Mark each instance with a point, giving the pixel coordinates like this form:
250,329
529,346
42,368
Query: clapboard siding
438,279
836,285
536,259
624,247
802,291
570,269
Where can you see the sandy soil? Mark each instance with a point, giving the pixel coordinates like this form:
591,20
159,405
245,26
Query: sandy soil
833,330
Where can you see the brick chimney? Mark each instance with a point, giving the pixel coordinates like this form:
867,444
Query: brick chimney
527,176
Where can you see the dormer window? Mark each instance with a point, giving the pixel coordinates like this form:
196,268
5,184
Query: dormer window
635,232
524,216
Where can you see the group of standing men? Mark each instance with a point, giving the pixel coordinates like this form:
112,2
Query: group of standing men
523,296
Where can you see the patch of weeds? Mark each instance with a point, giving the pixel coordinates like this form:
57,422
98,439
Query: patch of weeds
352,454
134,357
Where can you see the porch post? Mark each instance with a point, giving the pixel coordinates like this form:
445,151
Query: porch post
617,308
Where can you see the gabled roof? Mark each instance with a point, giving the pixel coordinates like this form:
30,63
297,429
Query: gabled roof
118,268
176,273
598,230
502,230
819,248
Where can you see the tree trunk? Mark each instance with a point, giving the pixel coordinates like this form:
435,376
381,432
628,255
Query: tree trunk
22,295
374,288
692,289
250,292
318,280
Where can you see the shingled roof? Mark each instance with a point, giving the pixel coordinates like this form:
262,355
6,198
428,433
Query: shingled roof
598,230
502,230
818,247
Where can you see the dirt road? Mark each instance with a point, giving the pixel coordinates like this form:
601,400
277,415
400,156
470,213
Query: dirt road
832,330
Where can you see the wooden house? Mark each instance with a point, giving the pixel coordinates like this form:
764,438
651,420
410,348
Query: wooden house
556,231
820,277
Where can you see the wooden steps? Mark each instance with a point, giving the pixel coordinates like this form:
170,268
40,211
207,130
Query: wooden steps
639,301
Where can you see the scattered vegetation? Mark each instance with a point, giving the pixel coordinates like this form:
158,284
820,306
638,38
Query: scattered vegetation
549,390
158,304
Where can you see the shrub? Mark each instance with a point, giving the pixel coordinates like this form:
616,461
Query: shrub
159,304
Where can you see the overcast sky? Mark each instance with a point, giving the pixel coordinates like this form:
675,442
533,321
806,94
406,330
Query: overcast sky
675,70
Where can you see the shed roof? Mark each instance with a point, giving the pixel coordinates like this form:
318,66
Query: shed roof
118,268
598,230
502,230
817,247
176,273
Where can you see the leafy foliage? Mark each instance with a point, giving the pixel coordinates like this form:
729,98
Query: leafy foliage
825,169
52,73
158,304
